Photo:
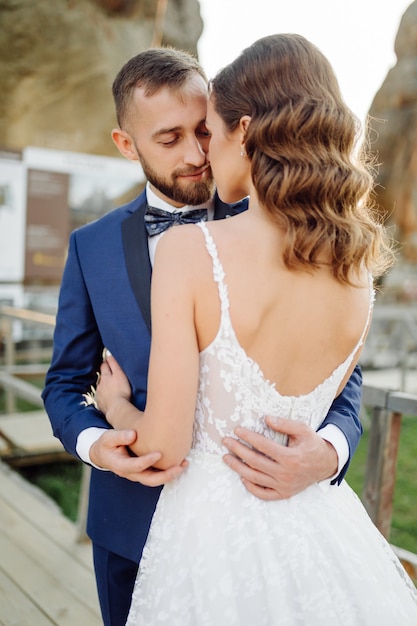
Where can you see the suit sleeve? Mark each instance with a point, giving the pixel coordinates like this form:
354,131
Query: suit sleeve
75,360
344,413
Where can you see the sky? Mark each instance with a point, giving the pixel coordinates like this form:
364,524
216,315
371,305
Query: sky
357,36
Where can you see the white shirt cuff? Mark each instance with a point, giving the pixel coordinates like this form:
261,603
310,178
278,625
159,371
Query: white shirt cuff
85,440
335,436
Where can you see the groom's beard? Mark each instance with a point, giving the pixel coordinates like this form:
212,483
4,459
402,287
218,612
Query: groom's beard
190,194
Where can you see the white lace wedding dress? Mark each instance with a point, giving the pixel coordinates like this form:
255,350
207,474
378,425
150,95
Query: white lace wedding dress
218,556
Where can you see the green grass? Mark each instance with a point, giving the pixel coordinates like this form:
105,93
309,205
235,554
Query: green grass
61,481
404,519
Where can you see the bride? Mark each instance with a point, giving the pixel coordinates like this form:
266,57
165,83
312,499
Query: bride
262,314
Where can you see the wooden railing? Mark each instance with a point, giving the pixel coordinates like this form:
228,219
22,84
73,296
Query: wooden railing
11,374
11,380
387,408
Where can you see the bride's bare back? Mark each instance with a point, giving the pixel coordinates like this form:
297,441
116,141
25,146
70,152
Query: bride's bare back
297,326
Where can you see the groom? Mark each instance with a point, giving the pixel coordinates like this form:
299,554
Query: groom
160,97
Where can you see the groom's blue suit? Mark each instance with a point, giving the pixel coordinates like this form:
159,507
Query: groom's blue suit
105,301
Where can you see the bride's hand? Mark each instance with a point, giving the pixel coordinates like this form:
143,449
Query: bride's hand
112,386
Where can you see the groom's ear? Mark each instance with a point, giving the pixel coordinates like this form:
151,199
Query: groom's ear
124,144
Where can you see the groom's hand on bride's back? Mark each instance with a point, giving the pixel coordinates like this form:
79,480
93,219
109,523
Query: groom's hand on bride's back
111,452
272,471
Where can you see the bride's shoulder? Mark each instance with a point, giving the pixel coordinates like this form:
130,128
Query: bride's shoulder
181,247
180,238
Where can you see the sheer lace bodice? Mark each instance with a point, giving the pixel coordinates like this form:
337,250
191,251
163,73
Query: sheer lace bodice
233,390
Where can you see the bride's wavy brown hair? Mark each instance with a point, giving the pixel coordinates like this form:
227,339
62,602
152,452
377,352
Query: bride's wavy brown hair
306,166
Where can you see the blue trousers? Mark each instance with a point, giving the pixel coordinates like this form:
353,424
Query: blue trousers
115,578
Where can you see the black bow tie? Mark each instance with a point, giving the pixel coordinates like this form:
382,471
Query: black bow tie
158,220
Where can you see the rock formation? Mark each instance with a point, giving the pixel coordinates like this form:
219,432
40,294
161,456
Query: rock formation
394,138
58,60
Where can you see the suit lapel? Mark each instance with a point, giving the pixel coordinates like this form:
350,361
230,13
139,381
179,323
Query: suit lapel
135,244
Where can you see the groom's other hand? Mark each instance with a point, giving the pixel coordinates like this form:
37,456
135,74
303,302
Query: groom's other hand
110,452
272,471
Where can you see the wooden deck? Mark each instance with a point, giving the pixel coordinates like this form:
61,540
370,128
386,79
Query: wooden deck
26,439
46,575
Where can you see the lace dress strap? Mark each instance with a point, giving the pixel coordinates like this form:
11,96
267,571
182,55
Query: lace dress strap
218,271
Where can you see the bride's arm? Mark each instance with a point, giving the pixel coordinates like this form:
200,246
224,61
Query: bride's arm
167,422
